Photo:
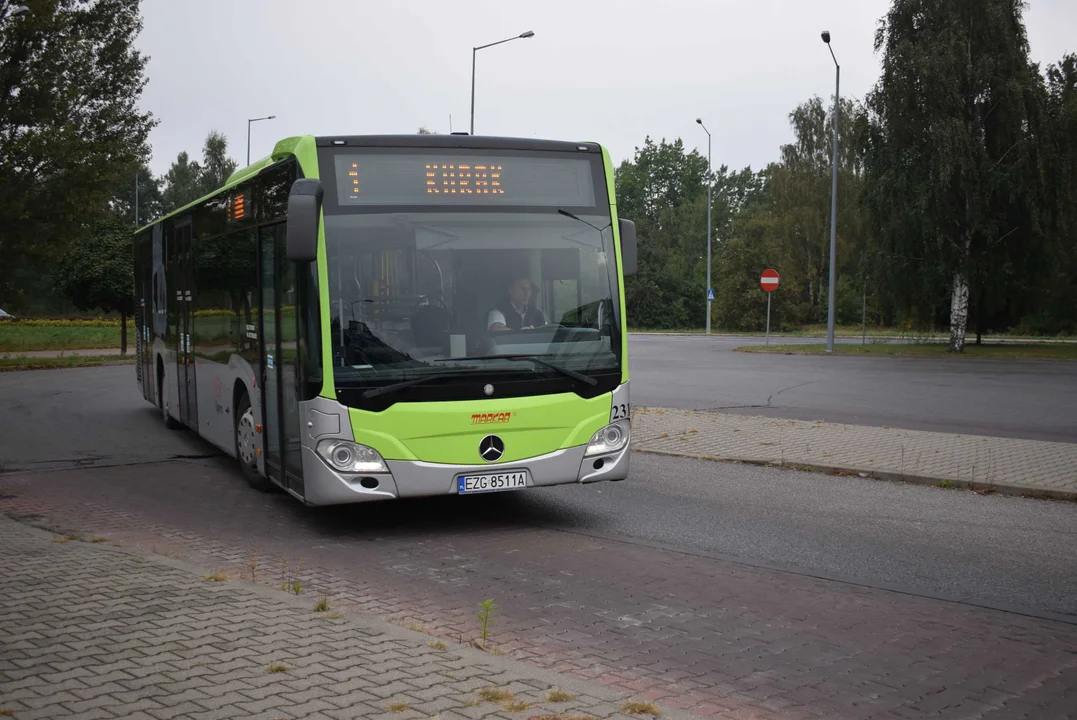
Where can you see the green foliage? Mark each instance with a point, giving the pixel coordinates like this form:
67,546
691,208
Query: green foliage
70,129
486,614
955,178
97,271
188,180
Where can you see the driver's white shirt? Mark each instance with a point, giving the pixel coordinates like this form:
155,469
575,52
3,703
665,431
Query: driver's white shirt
496,316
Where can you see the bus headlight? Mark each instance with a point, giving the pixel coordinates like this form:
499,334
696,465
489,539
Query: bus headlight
348,457
609,439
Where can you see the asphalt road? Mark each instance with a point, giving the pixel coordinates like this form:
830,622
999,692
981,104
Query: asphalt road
990,550
1030,399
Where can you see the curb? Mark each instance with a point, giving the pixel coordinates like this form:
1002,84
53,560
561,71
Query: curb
518,669
1006,489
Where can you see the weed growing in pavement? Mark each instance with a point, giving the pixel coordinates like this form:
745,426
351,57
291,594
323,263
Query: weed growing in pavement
277,668
295,587
415,627
516,706
332,616
5,712
635,707
946,484
283,573
216,577
98,539
322,605
252,565
436,645
399,707
494,695
486,613
66,538
559,696
559,716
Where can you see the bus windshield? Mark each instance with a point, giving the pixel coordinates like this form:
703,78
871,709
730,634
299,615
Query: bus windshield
512,303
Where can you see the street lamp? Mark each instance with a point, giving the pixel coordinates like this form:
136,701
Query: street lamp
833,199
13,12
710,185
254,120
474,51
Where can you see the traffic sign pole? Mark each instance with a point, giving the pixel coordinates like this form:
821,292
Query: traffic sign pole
768,319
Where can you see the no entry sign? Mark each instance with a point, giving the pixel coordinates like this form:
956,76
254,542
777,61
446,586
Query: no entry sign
769,280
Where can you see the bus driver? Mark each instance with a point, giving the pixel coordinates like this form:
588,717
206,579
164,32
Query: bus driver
515,311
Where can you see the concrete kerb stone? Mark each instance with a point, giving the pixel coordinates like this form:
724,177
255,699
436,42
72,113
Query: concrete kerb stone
1026,468
910,478
509,671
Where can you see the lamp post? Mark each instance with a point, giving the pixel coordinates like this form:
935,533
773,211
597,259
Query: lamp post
474,52
13,12
833,200
710,186
254,120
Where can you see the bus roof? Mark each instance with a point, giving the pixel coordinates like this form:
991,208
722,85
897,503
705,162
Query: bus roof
288,146
462,141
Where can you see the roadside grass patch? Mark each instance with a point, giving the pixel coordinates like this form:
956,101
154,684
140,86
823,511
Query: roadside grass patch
636,707
559,696
1002,351
67,361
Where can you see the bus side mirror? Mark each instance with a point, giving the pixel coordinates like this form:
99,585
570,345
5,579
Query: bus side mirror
628,246
304,209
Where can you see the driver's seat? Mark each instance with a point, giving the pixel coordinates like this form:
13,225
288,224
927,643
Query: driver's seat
430,326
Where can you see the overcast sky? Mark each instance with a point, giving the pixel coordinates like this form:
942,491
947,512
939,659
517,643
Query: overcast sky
612,72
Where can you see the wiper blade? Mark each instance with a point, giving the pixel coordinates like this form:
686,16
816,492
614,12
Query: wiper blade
546,363
386,389
533,358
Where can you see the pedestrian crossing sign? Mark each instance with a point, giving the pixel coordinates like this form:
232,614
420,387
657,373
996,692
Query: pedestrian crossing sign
710,295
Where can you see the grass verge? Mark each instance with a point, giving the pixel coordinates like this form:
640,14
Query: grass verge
1006,352
67,361
23,338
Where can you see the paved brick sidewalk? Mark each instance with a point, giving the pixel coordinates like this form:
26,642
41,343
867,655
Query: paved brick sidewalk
90,631
1019,467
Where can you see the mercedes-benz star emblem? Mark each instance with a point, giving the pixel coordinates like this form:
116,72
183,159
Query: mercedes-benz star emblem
489,389
491,448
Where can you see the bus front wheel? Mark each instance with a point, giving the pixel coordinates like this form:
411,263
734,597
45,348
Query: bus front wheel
246,445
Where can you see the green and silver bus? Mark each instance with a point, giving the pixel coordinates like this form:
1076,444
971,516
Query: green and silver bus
361,318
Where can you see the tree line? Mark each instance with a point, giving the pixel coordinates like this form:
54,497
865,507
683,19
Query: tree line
957,200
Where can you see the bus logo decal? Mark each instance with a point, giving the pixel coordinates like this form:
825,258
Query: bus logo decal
490,418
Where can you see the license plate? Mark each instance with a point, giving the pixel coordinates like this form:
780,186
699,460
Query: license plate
492,482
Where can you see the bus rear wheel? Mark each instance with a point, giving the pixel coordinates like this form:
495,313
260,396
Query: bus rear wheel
168,420
246,445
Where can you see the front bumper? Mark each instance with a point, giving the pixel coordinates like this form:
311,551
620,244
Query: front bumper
325,486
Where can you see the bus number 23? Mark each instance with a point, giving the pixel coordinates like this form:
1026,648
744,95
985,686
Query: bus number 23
620,412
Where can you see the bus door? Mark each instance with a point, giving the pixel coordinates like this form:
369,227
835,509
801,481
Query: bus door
280,371
185,369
